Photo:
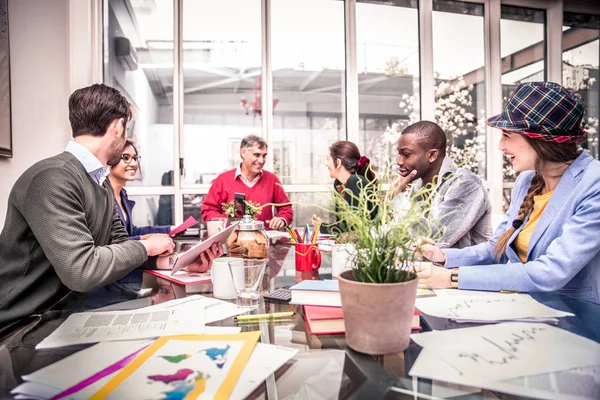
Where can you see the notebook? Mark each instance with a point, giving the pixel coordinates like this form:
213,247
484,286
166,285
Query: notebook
316,293
324,320
330,320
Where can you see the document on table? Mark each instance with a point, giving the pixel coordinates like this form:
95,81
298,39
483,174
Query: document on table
493,307
144,323
571,384
481,355
84,379
215,309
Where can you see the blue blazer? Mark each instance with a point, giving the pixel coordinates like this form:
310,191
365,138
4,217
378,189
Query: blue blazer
135,231
564,250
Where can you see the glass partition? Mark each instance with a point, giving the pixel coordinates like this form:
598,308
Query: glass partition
460,103
308,65
387,35
581,58
139,63
222,62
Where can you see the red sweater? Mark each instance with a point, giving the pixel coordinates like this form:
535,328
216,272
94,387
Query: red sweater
267,190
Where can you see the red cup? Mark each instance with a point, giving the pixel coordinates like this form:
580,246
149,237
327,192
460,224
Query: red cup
308,257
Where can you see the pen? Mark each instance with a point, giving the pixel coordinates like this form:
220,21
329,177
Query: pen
272,321
298,236
263,316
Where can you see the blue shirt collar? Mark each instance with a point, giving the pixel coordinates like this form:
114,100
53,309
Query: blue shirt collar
92,165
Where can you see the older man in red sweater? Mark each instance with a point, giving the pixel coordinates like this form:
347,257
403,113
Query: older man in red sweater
259,186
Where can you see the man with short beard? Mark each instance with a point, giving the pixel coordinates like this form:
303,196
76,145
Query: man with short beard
63,237
258,185
459,200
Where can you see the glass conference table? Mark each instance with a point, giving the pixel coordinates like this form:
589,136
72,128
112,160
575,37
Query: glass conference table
324,366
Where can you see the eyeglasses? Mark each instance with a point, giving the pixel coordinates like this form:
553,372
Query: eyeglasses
128,157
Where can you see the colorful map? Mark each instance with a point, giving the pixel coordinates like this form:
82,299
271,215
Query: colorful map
182,382
176,359
219,356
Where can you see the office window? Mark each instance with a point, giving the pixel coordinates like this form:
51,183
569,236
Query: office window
308,65
387,35
152,210
581,55
523,52
139,45
458,64
222,61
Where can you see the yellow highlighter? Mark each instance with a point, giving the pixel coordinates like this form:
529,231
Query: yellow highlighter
275,315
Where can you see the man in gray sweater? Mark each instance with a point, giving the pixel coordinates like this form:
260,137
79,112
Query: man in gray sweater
62,237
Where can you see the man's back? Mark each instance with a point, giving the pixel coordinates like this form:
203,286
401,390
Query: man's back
57,216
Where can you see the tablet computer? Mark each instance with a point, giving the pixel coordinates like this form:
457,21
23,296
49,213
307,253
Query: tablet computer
189,256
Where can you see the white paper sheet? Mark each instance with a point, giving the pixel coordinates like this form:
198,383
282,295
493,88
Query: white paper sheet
144,323
571,384
493,307
264,361
51,380
216,310
505,351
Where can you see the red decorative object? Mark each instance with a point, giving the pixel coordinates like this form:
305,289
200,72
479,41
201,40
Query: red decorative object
255,106
362,161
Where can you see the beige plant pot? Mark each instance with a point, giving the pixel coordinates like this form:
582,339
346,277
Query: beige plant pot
377,316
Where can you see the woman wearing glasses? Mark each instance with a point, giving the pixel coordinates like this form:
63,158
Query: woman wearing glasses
120,174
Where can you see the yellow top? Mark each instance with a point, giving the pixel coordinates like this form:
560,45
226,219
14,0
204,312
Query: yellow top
523,238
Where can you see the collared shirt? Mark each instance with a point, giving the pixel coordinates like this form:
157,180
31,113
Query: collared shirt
92,165
238,172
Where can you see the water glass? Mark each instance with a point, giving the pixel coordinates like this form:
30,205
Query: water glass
247,275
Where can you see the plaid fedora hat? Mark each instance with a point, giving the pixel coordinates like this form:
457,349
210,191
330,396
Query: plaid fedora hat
542,110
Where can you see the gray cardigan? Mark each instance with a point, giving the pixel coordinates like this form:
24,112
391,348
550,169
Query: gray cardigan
460,204
62,233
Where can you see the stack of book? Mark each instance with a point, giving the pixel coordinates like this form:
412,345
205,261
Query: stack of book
323,307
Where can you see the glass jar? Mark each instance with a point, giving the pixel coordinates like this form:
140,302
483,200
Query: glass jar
248,240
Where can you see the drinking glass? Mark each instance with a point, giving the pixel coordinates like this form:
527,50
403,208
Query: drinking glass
247,277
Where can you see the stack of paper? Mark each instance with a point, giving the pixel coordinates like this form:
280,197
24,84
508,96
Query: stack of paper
166,319
103,369
527,359
488,307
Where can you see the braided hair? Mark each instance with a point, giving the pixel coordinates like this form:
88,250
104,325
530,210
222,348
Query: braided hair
546,152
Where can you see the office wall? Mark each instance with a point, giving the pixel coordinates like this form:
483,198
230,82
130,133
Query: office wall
41,62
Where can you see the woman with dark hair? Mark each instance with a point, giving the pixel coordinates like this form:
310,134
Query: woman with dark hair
121,173
549,238
352,174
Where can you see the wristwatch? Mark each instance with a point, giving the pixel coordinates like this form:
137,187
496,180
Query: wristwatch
454,278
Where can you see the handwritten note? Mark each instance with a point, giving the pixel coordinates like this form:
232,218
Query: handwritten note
508,350
493,307
191,221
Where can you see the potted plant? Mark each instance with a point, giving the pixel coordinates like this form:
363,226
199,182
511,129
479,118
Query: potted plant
251,208
378,293
249,239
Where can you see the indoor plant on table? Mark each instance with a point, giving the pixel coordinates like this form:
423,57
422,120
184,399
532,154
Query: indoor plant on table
378,293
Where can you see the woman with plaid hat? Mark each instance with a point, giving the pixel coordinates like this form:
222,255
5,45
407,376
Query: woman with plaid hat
549,239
